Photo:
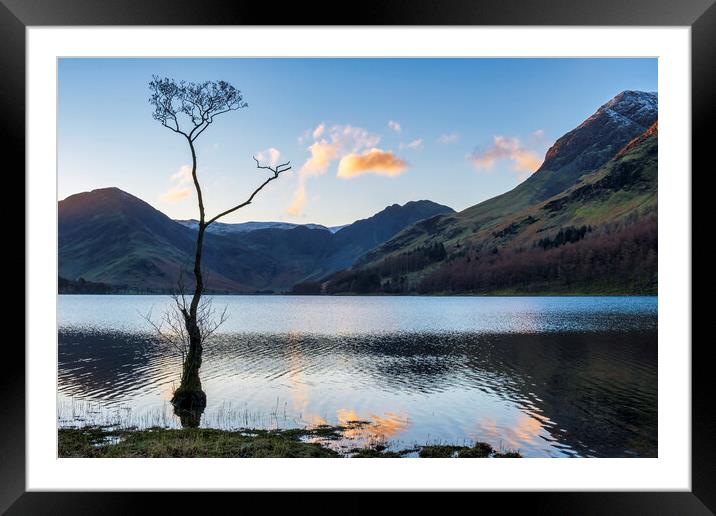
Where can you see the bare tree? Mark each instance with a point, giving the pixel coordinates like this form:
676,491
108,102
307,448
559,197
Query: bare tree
170,327
188,109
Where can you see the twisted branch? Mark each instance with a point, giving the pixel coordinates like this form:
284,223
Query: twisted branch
277,170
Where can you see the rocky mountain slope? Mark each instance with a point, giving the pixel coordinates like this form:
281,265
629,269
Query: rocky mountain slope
585,221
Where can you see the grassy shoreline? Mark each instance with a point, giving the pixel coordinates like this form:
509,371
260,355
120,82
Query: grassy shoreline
103,442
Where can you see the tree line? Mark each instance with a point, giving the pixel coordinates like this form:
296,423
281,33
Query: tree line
620,259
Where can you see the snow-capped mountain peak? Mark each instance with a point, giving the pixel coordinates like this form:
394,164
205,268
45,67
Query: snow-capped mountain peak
630,107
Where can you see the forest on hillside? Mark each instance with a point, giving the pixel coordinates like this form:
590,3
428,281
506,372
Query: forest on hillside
616,258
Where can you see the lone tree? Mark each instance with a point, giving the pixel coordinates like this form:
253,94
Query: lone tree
188,109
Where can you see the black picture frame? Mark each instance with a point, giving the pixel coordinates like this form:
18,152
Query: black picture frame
17,15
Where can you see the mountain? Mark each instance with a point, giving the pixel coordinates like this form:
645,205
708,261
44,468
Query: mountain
110,237
582,150
363,235
585,221
245,227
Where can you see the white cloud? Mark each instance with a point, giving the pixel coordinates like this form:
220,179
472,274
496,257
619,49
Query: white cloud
183,175
318,131
415,144
270,156
352,138
448,138
394,126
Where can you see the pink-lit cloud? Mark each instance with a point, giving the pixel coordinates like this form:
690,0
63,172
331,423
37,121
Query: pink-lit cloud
524,161
181,189
332,144
373,161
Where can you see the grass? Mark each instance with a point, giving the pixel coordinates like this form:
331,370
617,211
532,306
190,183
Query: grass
103,442
200,442
477,451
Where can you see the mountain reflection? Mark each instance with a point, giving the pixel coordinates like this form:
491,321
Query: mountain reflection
573,394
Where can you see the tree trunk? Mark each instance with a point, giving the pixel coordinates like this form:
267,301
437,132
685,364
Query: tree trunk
190,396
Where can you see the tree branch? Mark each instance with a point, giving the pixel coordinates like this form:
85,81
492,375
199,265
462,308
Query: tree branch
199,102
205,123
278,170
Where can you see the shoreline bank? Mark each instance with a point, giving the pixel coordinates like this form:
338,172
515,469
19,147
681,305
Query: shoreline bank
316,442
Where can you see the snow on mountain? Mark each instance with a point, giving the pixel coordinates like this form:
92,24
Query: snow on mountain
244,227
598,138
633,107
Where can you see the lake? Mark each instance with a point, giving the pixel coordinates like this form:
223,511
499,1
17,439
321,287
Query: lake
548,376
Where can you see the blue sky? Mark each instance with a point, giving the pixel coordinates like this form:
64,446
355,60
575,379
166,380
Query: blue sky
361,133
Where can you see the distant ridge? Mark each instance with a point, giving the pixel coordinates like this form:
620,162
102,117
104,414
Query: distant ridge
244,227
110,237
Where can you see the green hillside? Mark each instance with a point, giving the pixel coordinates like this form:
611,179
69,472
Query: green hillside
110,237
598,235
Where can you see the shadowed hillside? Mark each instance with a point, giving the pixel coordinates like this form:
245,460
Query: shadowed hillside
110,237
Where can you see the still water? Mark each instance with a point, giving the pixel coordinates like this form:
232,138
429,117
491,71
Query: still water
548,376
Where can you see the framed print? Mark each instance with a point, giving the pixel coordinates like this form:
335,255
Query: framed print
256,253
